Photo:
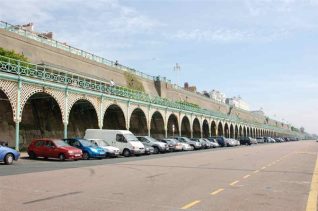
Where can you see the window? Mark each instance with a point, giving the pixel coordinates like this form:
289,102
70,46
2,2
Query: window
120,138
39,143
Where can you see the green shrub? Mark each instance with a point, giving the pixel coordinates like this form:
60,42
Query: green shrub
133,82
15,56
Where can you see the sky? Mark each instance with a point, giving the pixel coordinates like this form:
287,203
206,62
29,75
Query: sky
265,51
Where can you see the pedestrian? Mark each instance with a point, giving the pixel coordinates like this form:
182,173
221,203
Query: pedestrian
112,83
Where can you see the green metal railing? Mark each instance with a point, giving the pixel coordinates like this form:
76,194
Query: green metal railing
56,75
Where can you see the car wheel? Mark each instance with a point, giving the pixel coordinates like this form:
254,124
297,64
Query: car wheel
156,150
61,157
85,156
32,155
8,159
126,153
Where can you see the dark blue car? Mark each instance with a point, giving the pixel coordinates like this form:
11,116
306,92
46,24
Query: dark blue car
8,155
89,150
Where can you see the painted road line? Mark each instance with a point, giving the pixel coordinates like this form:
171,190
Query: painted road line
269,165
264,167
246,176
313,194
217,191
256,171
187,206
235,182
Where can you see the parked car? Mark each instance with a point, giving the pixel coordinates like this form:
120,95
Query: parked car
89,150
171,143
269,140
213,142
208,143
124,140
53,148
185,146
231,142
8,155
178,145
199,140
110,150
260,140
158,146
194,144
220,139
247,141
149,150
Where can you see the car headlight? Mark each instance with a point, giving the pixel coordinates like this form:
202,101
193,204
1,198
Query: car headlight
94,150
70,152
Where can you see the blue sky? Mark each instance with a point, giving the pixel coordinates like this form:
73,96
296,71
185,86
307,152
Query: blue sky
266,51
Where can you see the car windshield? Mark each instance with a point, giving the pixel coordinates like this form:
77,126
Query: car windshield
101,143
172,141
60,143
151,139
86,143
186,139
130,137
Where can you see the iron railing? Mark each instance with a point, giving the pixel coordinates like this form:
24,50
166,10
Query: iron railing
57,75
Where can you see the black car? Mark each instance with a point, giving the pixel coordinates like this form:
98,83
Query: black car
245,141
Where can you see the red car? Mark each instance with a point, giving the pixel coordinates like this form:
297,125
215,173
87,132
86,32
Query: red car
53,148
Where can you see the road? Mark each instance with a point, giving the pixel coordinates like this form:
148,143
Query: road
262,177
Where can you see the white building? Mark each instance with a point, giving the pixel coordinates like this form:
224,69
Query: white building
238,103
217,95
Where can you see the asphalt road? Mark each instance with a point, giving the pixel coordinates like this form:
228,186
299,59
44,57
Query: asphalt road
263,177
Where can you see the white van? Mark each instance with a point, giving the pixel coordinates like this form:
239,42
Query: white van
124,140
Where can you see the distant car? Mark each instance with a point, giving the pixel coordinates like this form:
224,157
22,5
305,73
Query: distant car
89,150
8,155
53,148
178,145
202,142
157,145
149,150
220,139
185,146
231,142
213,142
269,140
247,141
171,143
260,140
110,150
208,143
194,144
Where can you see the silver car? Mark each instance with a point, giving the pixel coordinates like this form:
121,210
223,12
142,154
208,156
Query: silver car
157,145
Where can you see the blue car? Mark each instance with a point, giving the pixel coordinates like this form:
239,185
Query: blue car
89,150
8,155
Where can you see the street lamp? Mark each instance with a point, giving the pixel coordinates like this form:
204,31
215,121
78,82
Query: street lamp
173,128
177,69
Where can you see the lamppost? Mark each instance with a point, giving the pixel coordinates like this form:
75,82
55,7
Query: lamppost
177,69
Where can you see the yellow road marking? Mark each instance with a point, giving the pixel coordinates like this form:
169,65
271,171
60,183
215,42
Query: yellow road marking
233,183
217,191
187,206
246,176
256,171
313,194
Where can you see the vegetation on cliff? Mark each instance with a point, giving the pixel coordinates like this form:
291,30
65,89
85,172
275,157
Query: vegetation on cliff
133,82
